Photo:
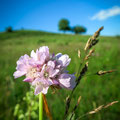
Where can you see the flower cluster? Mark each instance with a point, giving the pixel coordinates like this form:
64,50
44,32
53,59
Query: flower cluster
43,70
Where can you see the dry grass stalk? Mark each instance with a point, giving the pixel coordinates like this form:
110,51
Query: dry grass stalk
75,107
93,40
96,110
79,53
82,73
101,72
110,104
47,110
79,99
68,100
102,107
89,54
99,108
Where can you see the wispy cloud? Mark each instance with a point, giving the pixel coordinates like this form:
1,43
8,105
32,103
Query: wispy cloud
105,14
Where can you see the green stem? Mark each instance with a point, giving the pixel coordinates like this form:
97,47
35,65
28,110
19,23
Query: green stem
40,106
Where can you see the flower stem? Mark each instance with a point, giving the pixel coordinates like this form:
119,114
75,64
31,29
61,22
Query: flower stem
40,106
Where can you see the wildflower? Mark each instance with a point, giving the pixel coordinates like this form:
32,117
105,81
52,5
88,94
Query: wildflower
43,70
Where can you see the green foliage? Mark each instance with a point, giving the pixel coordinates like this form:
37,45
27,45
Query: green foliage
69,117
9,29
95,90
79,29
28,108
64,25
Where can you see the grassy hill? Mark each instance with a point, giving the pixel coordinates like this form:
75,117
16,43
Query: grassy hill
95,90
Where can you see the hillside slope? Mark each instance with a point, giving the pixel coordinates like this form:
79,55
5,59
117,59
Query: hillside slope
95,90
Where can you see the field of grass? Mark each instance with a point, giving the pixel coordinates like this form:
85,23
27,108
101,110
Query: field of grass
95,90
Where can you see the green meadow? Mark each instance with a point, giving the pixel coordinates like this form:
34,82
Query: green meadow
94,90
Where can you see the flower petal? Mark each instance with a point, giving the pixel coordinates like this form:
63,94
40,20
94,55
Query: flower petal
72,81
45,50
58,55
33,55
67,81
38,89
41,55
53,73
55,82
64,60
50,82
44,90
18,74
22,66
51,64
27,80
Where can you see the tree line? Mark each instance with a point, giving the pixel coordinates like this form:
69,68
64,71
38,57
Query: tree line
64,25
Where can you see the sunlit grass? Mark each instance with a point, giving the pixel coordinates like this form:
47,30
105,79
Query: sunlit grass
94,90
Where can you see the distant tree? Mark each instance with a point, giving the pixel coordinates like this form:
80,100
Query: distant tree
64,25
79,29
9,29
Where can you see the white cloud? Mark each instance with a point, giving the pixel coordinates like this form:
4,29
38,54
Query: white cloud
105,14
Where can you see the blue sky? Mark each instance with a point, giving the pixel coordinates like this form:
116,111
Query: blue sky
45,14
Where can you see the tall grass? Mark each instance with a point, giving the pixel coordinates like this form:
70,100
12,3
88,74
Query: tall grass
94,90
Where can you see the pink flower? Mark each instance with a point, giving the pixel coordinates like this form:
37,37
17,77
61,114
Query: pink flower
43,70
41,55
23,65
